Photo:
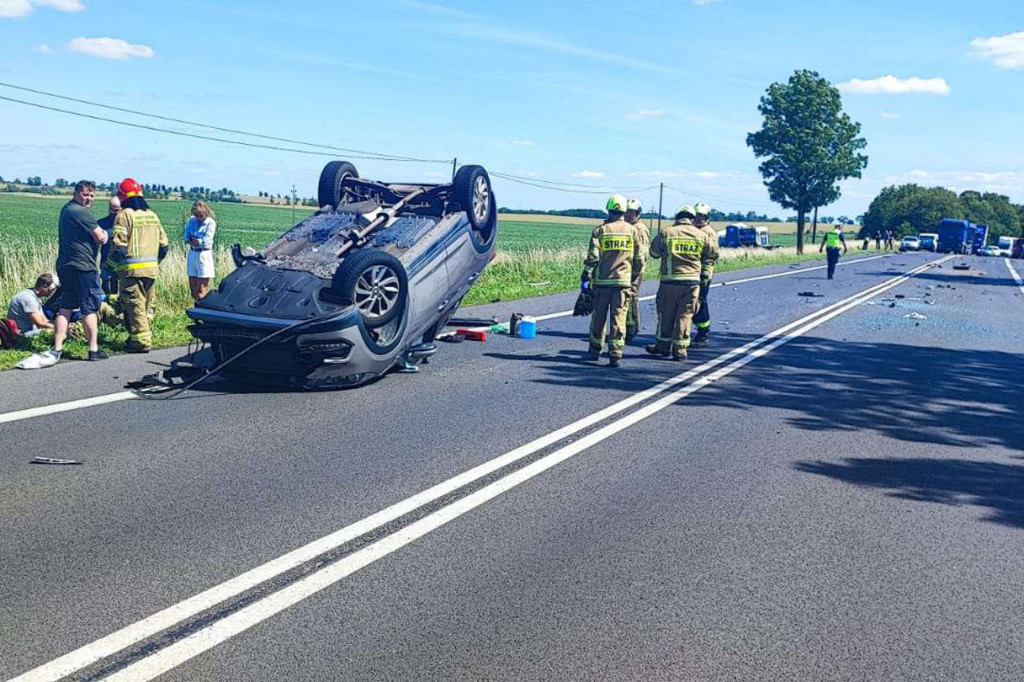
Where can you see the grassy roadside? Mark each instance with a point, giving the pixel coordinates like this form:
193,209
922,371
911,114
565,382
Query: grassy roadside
516,273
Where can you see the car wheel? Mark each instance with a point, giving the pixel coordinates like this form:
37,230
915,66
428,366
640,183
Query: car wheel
374,282
332,178
474,194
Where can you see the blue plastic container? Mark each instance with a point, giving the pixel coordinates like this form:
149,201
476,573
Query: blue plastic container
528,328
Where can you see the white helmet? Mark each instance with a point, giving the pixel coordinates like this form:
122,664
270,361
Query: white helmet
634,205
702,209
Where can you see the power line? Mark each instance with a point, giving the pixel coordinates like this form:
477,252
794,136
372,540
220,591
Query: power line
210,138
509,176
380,155
536,182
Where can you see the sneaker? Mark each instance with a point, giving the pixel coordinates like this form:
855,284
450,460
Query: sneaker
97,355
614,362
654,350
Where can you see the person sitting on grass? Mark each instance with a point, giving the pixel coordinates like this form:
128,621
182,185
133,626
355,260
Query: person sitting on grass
26,308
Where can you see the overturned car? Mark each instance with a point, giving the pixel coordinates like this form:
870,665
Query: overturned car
359,287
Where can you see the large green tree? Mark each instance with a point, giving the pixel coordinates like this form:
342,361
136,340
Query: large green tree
911,209
808,145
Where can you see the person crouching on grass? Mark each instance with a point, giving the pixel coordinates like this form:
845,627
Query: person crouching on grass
199,231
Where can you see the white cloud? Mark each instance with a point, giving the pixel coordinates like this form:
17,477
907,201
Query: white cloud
523,143
891,85
890,115
590,174
1007,52
61,5
44,49
640,114
110,48
15,9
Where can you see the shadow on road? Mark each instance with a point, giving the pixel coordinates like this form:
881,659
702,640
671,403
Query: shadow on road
1000,487
946,396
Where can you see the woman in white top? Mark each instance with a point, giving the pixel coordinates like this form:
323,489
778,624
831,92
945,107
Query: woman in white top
199,233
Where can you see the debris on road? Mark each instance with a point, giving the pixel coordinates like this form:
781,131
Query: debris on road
915,316
54,460
472,321
961,266
900,296
811,294
473,335
451,337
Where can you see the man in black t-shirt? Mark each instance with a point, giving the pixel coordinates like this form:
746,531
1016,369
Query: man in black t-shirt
78,267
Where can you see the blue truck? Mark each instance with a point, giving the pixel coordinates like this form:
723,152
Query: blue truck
961,236
740,235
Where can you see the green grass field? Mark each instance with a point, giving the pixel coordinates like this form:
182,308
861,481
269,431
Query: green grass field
538,255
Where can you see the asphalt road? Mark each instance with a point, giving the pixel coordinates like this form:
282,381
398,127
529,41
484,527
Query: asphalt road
847,503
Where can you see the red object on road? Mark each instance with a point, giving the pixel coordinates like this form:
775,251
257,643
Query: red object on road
473,335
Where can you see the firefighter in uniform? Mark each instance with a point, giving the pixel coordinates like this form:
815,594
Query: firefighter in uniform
140,243
634,209
702,320
685,252
611,260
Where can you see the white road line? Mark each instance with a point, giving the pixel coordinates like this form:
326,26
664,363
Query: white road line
1016,277
141,630
65,407
567,313
220,631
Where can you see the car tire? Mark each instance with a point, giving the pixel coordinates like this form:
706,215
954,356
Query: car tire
473,192
332,177
375,282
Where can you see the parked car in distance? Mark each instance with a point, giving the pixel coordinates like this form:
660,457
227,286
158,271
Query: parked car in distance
990,250
929,241
910,244
1006,246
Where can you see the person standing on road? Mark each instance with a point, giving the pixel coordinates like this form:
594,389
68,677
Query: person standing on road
78,269
612,258
890,243
830,244
685,252
140,243
199,231
634,210
702,319
878,241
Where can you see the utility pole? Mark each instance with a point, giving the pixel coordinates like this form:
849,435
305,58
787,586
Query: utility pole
661,196
293,204
455,163
814,227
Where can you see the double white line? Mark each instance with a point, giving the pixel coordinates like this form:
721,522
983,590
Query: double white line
667,393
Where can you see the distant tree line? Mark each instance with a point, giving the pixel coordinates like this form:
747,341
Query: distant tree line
912,209
749,216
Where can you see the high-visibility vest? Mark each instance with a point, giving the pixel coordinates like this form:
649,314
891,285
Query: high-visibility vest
832,239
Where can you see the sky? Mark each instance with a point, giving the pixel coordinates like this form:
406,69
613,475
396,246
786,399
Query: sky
606,95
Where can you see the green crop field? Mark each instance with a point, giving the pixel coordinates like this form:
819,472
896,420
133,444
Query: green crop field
538,255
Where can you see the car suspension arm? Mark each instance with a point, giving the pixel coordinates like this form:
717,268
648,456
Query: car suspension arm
358,237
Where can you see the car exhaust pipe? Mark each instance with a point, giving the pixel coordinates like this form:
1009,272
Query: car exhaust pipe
358,237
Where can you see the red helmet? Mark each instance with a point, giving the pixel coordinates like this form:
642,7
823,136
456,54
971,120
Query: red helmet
128,188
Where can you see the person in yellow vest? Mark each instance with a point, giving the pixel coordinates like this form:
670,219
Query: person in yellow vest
834,238
634,209
702,319
140,243
612,258
685,253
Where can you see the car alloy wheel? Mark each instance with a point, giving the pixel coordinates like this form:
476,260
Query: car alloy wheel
481,199
377,291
